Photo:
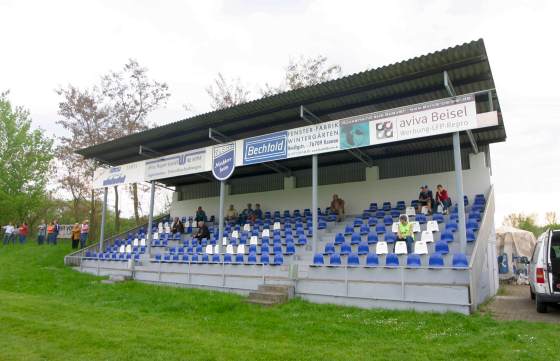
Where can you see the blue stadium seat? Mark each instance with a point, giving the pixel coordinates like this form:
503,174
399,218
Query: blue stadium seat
216,258
372,221
175,257
358,222
363,248
421,218
438,217
471,237
380,214
227,258
339,239
413,260
473,225
436,260
302,240
364,229
460,260
345,248
442,247
451,226
390,237
265,259
388,220
386,206
353,260
373,206
252,259
380,229
265,248
395,213
335,260
278,259
391,260
290,248
277,249
204,258
348,230
372,238
318,259
372,260
329,248
356,238
194,258
446,236
401,205
239,258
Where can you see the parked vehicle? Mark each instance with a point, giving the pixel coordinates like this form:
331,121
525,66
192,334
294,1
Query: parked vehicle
544,270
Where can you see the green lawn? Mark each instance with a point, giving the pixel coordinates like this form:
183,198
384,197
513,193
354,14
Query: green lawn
50,312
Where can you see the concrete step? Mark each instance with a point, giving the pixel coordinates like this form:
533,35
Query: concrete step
286,289
263,303
276,297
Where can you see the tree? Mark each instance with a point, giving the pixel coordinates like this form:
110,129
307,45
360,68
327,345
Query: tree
225,94
131,96
550,218
25,164
304,72
522,221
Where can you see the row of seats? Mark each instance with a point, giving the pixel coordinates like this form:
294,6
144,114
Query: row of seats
289,249
400,247
216,258
479,201
459,260
112,256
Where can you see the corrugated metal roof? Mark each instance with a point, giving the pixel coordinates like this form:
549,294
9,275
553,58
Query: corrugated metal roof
412,81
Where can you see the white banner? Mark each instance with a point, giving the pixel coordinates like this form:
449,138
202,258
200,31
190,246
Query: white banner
313,139
174,165
114,176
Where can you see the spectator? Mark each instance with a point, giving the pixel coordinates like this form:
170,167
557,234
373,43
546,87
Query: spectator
76,233
42,232
425,199
56,231
405,233
258,213
8,233
443,198
200,215
337,207
84,231
247,214
231,214
23,232
177,226
202,231
50,233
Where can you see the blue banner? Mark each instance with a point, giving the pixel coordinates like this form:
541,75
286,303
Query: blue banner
223,160
265,148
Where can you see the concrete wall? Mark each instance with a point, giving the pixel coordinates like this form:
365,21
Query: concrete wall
357,195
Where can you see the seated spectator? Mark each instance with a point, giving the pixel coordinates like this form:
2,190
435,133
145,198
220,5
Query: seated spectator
405,233
231,214
337,207
425,199
442,198
247,215
177,226
202,231
258,213
200,215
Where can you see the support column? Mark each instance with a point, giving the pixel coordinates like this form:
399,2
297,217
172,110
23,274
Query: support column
151,213
221,215
103,213
462,232
314,176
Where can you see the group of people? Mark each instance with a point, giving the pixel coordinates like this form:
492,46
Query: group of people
46,233
248,215
441,202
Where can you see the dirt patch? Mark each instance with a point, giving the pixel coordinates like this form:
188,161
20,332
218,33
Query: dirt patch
514,303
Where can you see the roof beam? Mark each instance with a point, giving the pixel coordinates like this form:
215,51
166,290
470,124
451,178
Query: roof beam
311,118
449,86
219,137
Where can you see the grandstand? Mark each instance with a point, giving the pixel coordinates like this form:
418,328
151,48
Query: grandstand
291,152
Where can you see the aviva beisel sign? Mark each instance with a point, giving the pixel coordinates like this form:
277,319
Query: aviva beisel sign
265,148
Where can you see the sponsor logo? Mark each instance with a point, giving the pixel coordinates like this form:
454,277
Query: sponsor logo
265,148
223,160
115,170
114,180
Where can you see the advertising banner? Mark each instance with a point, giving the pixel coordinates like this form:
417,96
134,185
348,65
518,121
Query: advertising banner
313,139
223,160
114,176
265,148
174,165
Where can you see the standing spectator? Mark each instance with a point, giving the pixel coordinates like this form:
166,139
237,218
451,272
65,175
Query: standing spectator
200,215
405,233
23,232
337,207
8,233
42,232
50,233
177,226
76,231
425,199
231,214
56,231
258,213
84,233
443,198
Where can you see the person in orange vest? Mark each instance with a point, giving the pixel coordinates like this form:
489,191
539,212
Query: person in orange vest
50,233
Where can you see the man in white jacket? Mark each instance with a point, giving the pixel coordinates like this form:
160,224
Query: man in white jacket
8,233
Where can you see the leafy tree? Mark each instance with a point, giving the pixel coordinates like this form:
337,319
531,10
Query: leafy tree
525,222
25,165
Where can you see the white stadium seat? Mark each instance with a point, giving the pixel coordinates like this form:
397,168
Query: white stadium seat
155,236
217,249
253,241
400,247
416,227
128,248
135,242
224,241
265,233
425,210
247,227
420,247
427,236
143,242
209,249
235,234
241,249
432,226
276,226
395,227
381,248
229,249
122,248
167,229
410,211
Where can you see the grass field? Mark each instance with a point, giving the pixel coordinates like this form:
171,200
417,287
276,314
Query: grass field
50,312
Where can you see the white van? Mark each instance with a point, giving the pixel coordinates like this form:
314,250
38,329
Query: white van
544,270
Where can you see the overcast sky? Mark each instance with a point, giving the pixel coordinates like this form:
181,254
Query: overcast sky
47,44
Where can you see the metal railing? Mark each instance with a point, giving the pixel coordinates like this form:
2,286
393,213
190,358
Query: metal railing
479,254
75,258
